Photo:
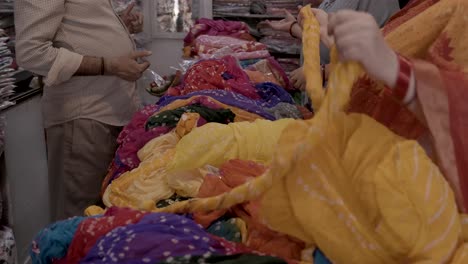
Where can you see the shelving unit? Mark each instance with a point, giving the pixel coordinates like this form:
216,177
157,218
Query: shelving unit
286,52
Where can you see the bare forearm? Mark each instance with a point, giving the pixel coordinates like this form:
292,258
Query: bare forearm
91,66
296,31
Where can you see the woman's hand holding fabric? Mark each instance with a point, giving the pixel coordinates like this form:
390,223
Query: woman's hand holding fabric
322,18
358,38
127,67
281,25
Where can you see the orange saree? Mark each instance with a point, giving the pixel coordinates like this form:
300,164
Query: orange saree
434,35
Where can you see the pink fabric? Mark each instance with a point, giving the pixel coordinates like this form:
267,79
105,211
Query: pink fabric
261,54
208,44
211,27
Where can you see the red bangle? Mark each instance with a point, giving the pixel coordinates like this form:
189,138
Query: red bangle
404,78
290,29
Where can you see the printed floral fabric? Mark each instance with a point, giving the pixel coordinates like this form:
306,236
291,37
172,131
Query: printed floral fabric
219,74
235,173
159,237
204,26
92,229
51,244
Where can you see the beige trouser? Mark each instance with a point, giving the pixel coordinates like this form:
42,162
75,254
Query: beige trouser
79,153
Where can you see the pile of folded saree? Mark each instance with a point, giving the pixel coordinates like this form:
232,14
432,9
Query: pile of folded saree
227,169
228,90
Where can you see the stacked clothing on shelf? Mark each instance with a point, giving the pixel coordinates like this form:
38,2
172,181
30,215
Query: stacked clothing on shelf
277,6
231,6
244,7
280,42
7,72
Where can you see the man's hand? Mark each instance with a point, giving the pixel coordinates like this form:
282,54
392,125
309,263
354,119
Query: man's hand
132,20
127,67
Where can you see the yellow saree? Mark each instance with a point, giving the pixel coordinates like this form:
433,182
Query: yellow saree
349,185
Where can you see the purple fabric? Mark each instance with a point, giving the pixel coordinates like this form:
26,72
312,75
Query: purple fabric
205,26
158,237
271,95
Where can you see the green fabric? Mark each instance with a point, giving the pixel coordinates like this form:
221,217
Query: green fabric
174,199
226,229
234,259
170,118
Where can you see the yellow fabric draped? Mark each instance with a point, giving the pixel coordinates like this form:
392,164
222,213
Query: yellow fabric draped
347,184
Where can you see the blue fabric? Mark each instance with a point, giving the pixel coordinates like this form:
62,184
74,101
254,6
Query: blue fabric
319,258
53,241
273,94
270,93
157,237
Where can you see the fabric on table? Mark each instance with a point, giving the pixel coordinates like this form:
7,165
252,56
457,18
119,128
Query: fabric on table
146,183
52,243
206,44
273,94
159,237
319,258
244,140
166,202
126,157
233,259
91,230
361,177
227,229
215,74
230,99
260,238
246,63
239,55
260,77
179,170
170,118
285,110
204,26
270,66
79,153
